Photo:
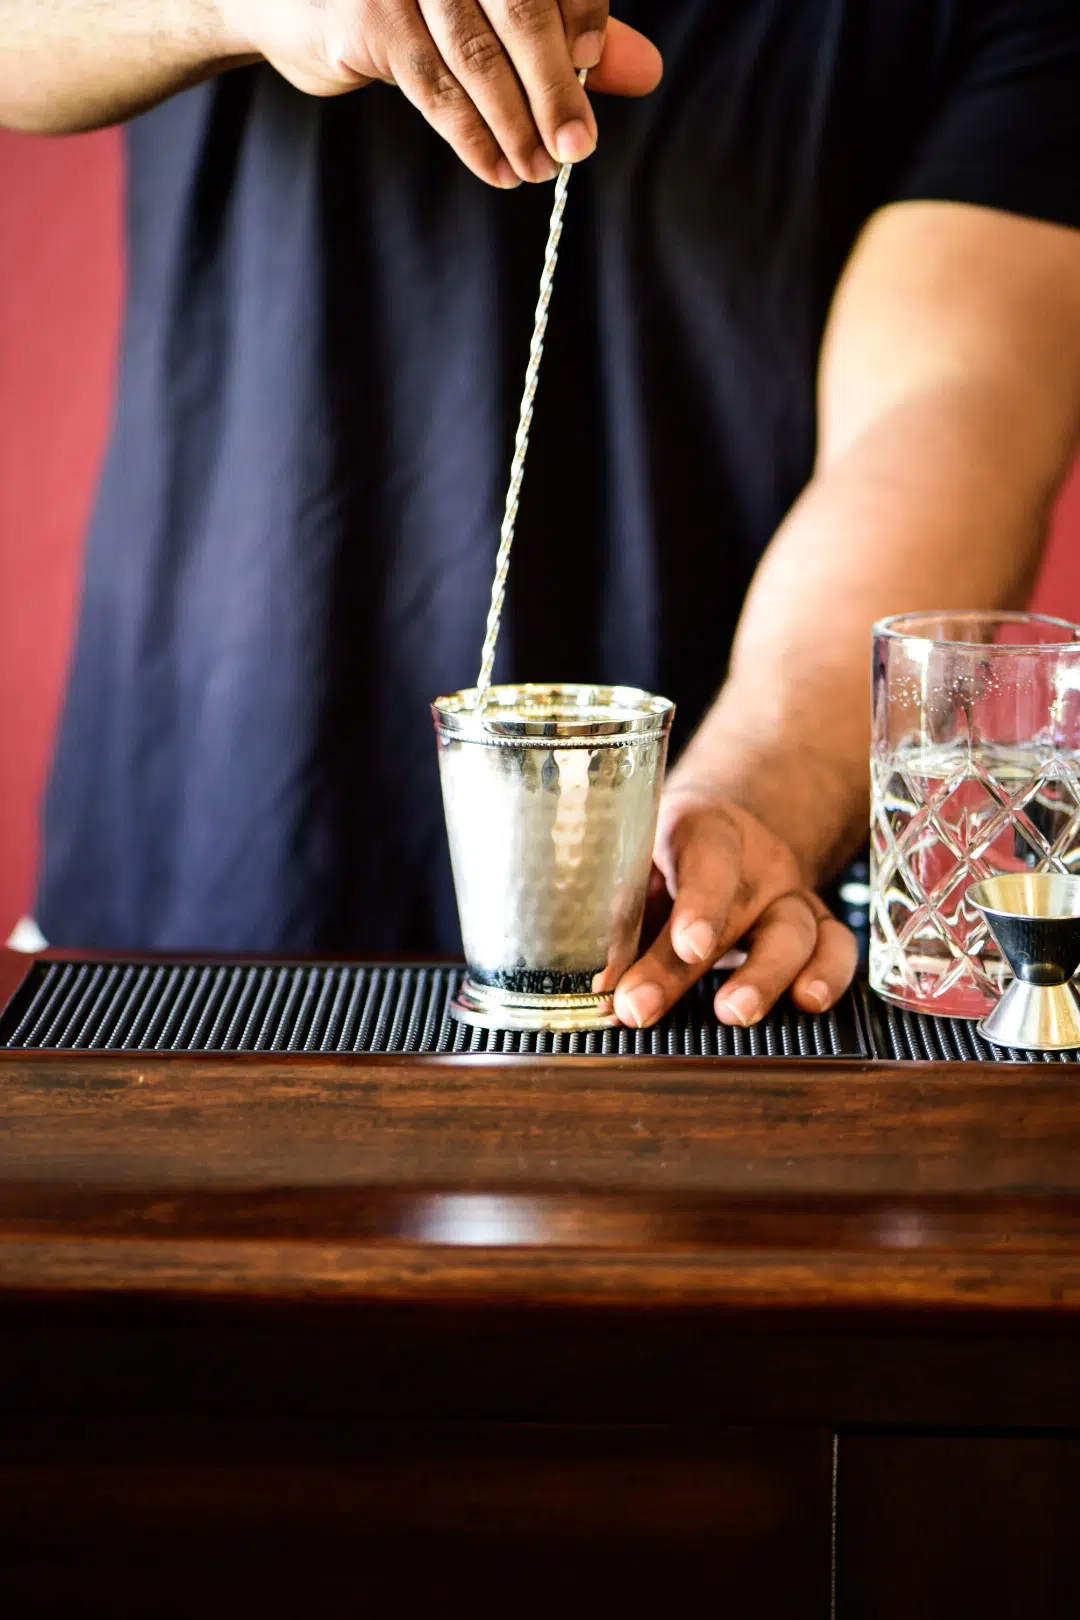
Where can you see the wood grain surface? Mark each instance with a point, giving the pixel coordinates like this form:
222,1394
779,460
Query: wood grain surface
783,1185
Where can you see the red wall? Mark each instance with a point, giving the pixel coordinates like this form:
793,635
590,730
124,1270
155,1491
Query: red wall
59,306
59,299
1058,590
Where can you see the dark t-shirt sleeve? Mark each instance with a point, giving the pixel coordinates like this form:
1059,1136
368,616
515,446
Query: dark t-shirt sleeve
1004,130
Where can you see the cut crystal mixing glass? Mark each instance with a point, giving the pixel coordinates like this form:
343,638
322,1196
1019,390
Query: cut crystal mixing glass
975,773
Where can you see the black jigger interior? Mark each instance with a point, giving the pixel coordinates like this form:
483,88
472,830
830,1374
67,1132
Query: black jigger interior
1035,918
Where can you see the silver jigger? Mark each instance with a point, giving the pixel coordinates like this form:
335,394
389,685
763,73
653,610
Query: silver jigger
1035,918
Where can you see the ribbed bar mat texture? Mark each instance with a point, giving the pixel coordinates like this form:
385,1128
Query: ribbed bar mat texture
236,1007
903,1037
193,1007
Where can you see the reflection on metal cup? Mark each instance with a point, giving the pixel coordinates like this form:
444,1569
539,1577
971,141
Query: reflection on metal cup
551,795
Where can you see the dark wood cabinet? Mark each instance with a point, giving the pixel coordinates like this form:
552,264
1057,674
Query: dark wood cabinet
535,1337
417,1520
940,1526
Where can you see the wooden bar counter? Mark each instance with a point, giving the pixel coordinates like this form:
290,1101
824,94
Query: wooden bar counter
479,1336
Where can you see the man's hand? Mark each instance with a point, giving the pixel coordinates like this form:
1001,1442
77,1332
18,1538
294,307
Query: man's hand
731,880
498,80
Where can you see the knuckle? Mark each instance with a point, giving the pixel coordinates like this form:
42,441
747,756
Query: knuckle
843,954
744,894
783,951
797,901
836,939
561,97
478,51
791,916
530,17
711,824
431,73
839,936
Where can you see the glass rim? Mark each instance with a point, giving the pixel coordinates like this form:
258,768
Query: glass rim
892,628
535,713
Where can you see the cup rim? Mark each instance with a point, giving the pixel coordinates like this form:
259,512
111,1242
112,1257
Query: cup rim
638,714
892,628
989,910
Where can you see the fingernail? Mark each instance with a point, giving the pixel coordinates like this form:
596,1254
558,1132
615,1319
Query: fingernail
543,167
744,1003
696,942
573,142
643,1004
588,49
506,177
818,993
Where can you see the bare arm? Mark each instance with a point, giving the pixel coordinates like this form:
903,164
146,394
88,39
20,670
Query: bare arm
499,82
69,65
949,414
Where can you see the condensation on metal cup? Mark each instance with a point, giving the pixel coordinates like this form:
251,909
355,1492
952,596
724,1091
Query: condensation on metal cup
551,795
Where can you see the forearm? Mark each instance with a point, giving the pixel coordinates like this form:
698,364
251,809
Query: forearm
934,506
69,65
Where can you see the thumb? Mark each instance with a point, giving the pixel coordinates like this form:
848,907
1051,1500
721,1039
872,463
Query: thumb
630,66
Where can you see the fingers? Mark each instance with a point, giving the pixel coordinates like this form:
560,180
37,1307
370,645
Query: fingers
498,79
654,983
422,76
516,62
831,968
782,943
585,24
533,33
701,923
491,98
796,941
732,880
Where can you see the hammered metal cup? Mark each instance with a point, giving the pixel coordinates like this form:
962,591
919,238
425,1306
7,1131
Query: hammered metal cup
551,795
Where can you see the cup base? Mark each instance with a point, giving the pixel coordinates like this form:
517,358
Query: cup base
1035,1018
485,1007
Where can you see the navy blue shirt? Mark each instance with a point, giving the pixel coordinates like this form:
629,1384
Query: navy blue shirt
326,331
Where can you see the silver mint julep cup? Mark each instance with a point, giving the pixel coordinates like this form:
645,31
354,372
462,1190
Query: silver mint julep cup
551,794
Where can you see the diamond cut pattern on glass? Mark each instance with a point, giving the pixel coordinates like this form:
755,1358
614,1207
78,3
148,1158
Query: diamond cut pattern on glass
943,818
